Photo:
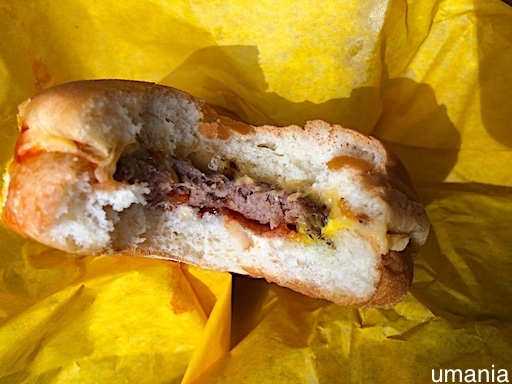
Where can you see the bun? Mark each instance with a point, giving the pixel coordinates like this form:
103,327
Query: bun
124,167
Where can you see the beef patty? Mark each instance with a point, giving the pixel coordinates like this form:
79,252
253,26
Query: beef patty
173,182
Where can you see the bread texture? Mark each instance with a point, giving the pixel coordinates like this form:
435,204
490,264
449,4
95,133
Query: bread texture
62,190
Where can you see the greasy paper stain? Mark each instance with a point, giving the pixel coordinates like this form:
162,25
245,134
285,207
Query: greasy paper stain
42,77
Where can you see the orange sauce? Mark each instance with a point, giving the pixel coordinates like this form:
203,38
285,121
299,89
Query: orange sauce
20,153
237,126
214,131
339,162
223,127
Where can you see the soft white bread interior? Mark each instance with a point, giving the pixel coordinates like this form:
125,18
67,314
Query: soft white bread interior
61,190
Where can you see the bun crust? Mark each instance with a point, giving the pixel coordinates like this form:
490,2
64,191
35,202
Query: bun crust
63,190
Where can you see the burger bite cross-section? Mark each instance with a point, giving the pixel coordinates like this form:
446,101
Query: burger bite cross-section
116,167
174,181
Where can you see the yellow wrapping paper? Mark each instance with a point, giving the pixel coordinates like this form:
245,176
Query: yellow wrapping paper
430,78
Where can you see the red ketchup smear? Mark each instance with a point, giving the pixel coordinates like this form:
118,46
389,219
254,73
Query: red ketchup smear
282,230
19,155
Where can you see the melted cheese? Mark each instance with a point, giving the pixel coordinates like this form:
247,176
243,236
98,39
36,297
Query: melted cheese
335,224
32,141
339,216
342,217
